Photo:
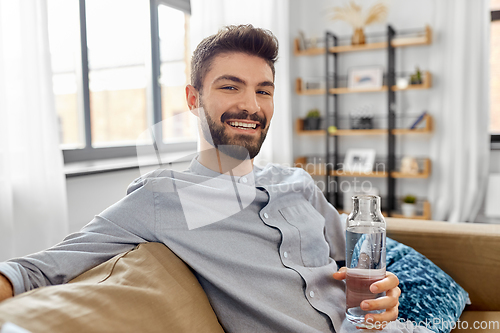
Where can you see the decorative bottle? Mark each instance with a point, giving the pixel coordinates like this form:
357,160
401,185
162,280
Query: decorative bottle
365,255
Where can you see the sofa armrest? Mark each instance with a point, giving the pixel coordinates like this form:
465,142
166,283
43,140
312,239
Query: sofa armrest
468,252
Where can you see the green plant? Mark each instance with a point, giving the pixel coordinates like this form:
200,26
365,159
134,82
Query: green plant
314,113
417,77
410,199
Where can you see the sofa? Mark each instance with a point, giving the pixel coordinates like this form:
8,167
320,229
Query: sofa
469,253
127,293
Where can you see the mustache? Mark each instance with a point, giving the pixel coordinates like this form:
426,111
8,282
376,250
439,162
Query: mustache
244,115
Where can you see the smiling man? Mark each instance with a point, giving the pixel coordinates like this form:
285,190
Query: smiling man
263,242
234,91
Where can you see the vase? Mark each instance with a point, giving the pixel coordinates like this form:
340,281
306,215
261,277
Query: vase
358,37
408,209
312,124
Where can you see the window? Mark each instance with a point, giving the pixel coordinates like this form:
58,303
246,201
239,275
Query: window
65,48
495,74
120,66
174,74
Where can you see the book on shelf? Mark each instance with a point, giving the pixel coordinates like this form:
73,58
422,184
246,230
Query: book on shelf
419,120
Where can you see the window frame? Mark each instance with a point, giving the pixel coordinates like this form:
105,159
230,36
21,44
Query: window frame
90,153
495,138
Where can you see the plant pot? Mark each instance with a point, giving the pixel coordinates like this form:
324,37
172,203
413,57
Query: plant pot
311,124
358,37
408,209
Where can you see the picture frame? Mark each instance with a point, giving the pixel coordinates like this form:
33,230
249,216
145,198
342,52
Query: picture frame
370,77
359,160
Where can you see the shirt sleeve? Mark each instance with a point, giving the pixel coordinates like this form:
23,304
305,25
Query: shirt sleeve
116,230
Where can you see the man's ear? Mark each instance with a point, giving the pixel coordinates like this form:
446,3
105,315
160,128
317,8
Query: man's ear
192,96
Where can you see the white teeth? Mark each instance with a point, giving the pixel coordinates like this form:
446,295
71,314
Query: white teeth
242,125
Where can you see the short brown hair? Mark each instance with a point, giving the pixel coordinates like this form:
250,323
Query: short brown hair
234,38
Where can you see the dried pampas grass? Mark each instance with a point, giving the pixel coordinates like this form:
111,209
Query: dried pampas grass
353,14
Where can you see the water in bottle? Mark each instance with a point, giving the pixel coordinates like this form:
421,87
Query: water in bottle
365,255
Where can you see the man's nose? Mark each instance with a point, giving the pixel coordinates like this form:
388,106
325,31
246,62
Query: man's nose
249,102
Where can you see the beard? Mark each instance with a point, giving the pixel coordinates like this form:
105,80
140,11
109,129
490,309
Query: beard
239,146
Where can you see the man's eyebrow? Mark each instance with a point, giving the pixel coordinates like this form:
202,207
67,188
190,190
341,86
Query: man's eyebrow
230,78
266,84
238,80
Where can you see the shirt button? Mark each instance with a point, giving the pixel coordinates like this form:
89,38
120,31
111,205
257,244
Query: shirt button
266,216
244,179
311,293
285,254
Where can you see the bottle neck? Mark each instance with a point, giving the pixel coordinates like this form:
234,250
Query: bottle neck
366,208
366,204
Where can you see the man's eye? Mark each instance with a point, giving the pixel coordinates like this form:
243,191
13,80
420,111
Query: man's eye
229,88
263,92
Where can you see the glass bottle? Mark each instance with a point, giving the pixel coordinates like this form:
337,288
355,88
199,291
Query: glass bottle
365,255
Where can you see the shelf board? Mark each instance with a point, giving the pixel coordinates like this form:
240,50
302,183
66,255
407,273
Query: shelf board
320,170
424,39
426,214
361,132
424,173
376,174
424,130
343,90
299,129
315,133
427,84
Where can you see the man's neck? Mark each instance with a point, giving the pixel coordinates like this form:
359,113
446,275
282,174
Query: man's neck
217,161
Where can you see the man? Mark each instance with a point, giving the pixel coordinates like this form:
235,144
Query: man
263,243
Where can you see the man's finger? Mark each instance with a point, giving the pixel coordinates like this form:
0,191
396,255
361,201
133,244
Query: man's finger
340,274
394,292
381,303
384,317
389,282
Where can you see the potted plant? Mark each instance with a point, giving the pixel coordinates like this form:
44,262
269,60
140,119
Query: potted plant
312,120
417,77
409,206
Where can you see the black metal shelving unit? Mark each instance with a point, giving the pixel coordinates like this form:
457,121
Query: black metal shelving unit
332,119
391,114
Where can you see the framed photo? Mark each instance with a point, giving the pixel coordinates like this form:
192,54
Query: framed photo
365,77
359,160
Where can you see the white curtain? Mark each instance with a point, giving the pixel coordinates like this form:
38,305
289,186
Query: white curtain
460,147
32,186
208,16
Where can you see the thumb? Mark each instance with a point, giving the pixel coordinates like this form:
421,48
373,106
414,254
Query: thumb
340,274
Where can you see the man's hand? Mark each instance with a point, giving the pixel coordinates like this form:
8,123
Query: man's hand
6,290
389,302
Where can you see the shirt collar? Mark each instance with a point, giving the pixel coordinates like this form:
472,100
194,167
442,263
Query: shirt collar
197,168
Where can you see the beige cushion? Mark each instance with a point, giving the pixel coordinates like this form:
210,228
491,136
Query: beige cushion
148,289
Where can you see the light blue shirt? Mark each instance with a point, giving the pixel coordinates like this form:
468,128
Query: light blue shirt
263,246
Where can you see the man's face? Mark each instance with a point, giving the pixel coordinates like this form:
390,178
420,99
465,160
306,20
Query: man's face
237,98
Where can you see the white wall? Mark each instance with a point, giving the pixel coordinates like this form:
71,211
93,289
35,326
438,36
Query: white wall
495,161
89,195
